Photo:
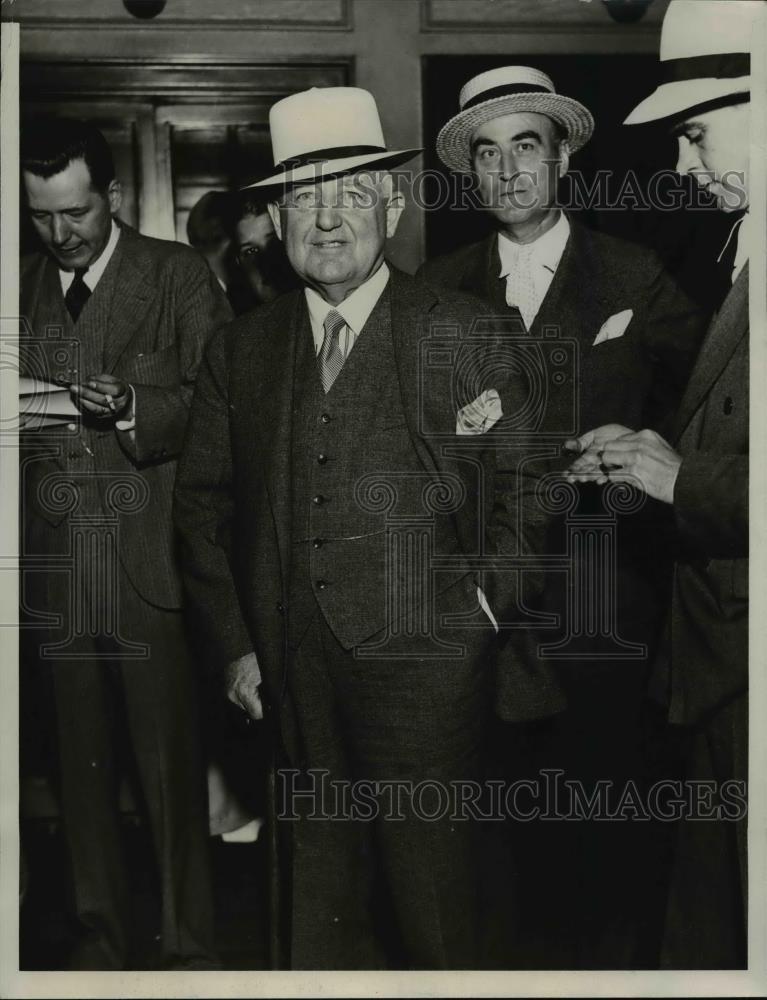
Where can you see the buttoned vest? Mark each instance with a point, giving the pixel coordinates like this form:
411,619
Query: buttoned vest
354,470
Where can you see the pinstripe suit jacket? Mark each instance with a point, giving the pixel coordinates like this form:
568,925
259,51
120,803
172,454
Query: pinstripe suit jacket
706,653
164,305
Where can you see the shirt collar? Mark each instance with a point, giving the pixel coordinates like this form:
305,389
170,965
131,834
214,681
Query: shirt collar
744,234
95,271
547,250
356,308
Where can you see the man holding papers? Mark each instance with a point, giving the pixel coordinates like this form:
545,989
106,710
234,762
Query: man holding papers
120,321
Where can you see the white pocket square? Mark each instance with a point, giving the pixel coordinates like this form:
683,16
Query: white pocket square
614,327
478,417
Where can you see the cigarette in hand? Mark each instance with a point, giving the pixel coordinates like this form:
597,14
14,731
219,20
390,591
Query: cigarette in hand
110,402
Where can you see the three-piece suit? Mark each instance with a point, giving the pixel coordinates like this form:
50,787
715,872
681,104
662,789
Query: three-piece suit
319,530
101,591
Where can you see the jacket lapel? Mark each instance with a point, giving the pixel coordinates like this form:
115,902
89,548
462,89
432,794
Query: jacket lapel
481,275
727,329
131,296
570,302
42,300
32,281
411,303
267,378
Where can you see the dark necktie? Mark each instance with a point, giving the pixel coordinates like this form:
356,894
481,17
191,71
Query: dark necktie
330,359
77,295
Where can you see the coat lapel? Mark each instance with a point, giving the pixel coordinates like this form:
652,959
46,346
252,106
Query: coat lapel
32,280
131,296
727,329
411,303
481,276
570,302
267,378
42,300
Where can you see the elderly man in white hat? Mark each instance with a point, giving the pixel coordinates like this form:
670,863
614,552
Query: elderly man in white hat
701,471
633,336
315,432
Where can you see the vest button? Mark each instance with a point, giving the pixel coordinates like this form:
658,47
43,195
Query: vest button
321,584
322,458
325,418
728,406
317,543
319,500
280,608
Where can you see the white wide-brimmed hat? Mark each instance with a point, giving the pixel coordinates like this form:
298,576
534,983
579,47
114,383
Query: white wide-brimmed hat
704,56
504,91
326,132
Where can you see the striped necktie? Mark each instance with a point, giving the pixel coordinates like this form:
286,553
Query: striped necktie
77,295
330,359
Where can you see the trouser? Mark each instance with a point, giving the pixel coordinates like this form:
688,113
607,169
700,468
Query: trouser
99,695
705,926
583,880
382,877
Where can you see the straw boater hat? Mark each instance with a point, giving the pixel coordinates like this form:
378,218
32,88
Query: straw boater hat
704,56
505,91
327,132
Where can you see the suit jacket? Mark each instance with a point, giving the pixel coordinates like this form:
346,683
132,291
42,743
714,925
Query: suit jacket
233,491
165,304
705,658
635,379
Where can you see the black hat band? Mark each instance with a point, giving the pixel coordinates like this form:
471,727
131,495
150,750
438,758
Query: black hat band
505,91
728,65
322,155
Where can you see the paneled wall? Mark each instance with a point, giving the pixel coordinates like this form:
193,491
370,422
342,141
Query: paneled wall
382,42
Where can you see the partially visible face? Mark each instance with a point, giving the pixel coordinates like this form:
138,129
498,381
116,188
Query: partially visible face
335,231
254,235
518,160
714,148
71,217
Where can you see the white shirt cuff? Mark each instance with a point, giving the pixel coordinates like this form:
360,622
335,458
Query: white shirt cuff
128,422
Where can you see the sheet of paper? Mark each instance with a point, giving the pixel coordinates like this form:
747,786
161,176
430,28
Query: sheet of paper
38,399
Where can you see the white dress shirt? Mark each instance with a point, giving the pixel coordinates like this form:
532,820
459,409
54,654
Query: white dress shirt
91,278
355,309
93,275
529,268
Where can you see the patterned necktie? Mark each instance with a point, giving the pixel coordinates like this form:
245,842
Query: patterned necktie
330,359
77,295
520,287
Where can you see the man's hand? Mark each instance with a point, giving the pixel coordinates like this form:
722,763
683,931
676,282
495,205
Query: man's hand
643,459
588,468
103,396
597,438
242,678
